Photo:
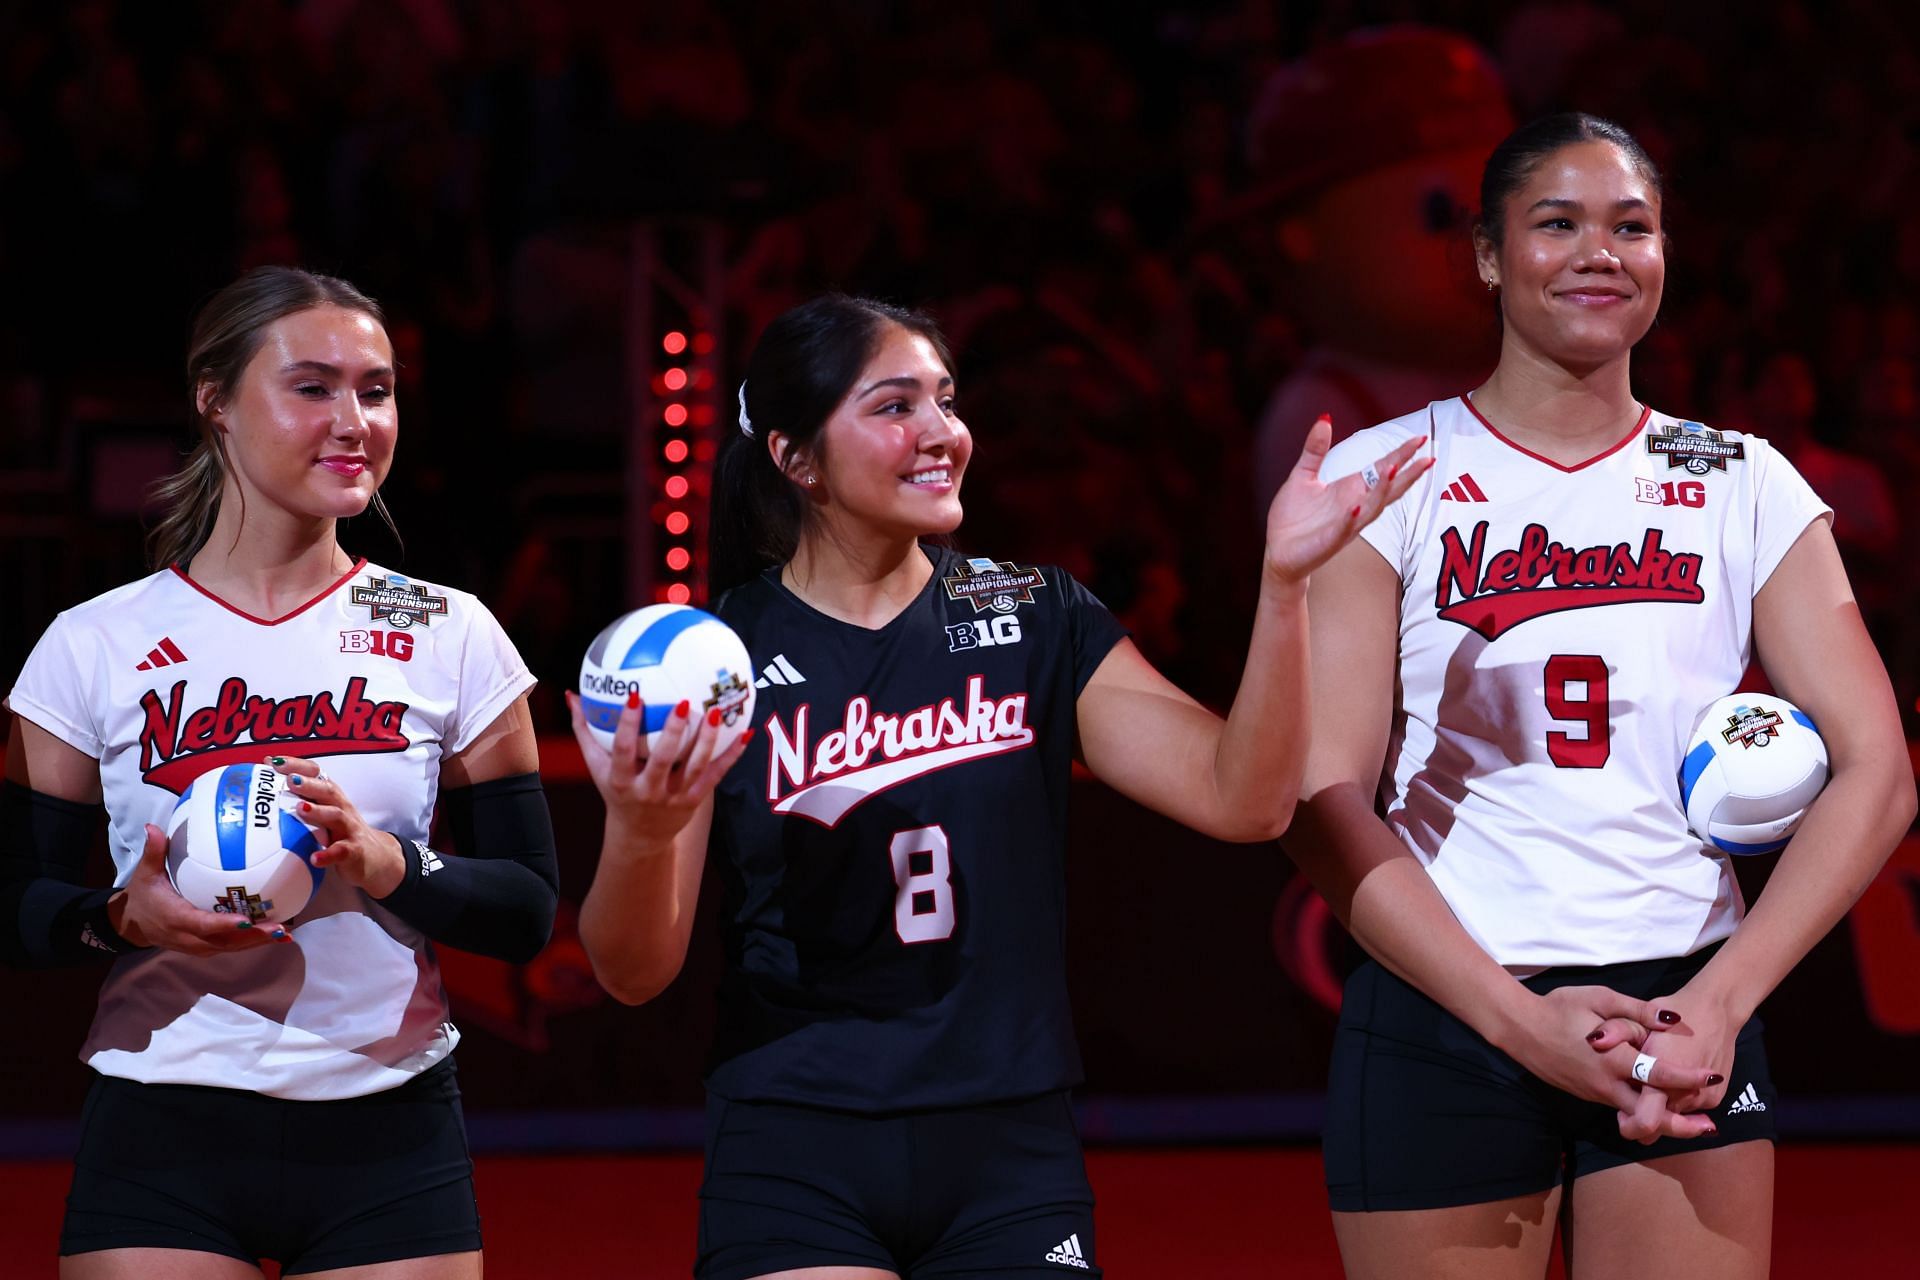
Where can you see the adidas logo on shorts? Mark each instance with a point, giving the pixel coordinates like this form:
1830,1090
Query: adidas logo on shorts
1749,1100
1067,1253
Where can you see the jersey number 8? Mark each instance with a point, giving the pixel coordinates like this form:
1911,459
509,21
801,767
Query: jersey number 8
923,882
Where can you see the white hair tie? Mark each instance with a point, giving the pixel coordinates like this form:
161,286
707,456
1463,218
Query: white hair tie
746,423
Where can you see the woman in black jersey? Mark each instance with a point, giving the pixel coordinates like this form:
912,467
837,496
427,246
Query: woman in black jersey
888,1084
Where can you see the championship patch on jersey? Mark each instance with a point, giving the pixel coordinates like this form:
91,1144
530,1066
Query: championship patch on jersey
1000,585
1695,446
396,601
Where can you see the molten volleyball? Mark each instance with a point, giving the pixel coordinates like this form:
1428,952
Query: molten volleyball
1753,766
233,847
667,654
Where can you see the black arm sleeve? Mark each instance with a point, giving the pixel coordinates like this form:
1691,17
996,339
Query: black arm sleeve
48,916
499,899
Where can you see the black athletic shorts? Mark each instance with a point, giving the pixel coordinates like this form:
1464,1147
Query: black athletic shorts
1424,1114
313,1185
996,1190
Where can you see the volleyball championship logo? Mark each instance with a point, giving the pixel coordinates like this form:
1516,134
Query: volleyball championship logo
397,602
1695,446
1000,585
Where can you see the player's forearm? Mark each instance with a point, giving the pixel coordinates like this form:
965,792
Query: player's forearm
49,918
631,922
1379,890
1847,836
1258,757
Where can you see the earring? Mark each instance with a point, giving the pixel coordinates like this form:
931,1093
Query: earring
1489,286
812,480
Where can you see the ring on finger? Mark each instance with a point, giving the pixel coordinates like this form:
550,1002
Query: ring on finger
1643,1067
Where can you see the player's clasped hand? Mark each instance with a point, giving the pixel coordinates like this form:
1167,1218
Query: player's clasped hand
1309,520
150,913
364,856
1602,1070
654,796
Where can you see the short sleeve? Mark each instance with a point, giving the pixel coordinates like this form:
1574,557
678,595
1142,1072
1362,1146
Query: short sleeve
1784,505
492,675
54,687
1388,534
1091,628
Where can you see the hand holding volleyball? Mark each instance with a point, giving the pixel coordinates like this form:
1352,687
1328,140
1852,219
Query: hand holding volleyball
363,855
149,911
664,709
1309,519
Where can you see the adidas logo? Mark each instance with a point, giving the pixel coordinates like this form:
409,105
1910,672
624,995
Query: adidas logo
1463,490
164,654
429,860
779,671
1749,1100
1067,1253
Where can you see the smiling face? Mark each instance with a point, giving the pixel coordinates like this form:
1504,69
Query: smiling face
310,427
894,450
1582,262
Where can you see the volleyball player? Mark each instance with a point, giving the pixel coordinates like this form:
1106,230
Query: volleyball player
1526,640
888,1086
276,1091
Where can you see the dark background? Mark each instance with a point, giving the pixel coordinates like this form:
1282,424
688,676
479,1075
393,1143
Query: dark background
1057,183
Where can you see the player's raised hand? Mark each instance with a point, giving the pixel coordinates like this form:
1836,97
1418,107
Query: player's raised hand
1309,520
149,912
365,856
653,796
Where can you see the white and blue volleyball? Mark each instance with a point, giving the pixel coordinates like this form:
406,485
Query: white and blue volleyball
233,847
666,653
1753,766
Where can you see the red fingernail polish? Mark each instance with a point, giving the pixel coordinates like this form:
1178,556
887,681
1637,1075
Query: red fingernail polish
633,699
1393,471
304,806
1712,1130
1325,417
746,737
1669,1017
713,715
1715,1078
1354,514
1596,1033
683,708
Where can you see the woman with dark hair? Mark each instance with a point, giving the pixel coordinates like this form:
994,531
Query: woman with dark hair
888,1082
1526,641
271,1090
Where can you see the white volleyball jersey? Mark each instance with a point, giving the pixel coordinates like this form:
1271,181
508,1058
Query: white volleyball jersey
378,678
1561,630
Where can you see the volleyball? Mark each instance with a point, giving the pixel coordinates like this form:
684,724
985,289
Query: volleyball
233,847
666,653
1752,768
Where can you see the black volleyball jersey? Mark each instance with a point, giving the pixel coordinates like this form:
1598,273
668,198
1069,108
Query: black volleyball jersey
892,843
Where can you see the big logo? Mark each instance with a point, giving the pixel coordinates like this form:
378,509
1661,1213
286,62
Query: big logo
177,746
1494,595
871,751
